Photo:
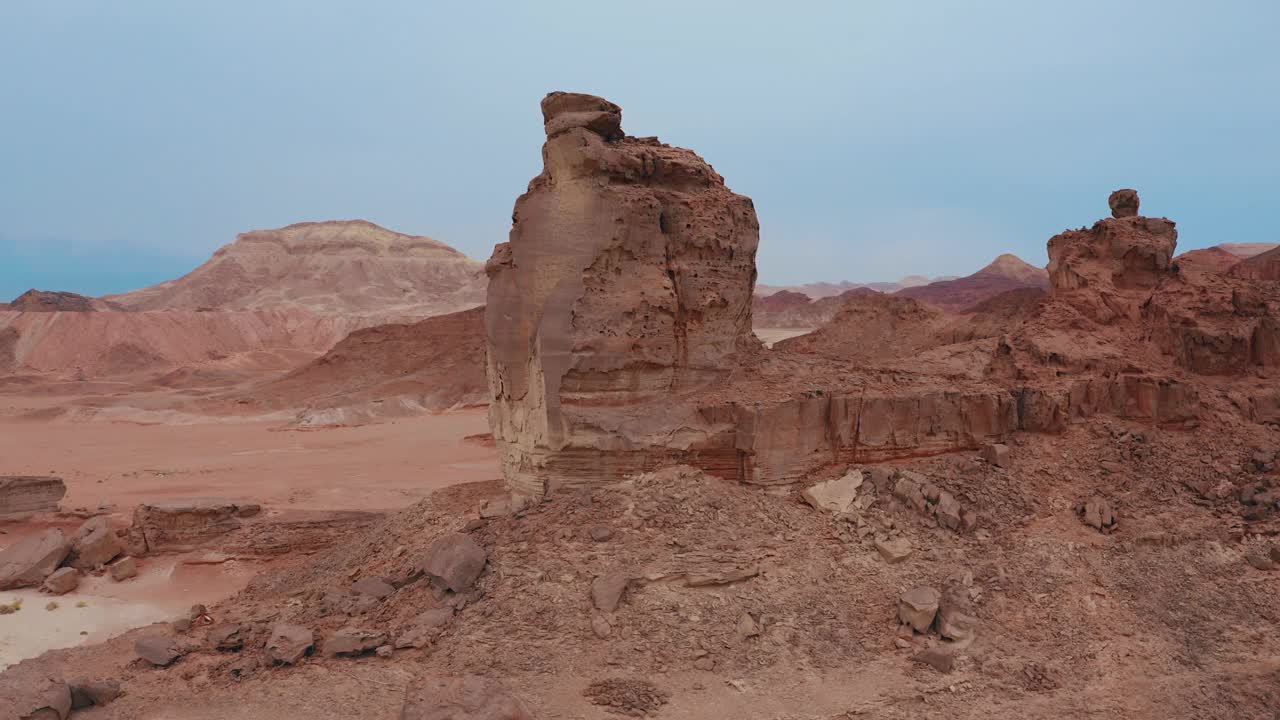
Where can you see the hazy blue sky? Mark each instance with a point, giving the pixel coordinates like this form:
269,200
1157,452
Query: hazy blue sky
877,138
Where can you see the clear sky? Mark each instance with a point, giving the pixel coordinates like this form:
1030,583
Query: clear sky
877,139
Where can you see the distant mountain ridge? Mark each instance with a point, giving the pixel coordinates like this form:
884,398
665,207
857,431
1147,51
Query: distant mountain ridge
341,267
1007,272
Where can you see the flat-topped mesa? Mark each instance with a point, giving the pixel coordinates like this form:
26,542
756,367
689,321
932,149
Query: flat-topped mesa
1109,270
626,282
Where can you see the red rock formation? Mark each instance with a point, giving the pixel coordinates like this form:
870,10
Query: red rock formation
627,280
1107,271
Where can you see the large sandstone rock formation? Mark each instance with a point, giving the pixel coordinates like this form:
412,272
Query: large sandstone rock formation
58,301
627,280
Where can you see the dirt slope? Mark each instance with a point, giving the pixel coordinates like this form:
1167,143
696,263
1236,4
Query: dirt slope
352,268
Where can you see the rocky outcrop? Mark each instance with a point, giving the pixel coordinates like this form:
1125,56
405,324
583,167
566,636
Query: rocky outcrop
627,279
181,524
1263,267
30,493
1108,271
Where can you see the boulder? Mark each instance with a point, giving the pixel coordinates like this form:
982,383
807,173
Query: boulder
289,643
836,495
1124,203
454,562
918,607
30,494
94,544
123,569
607,590
159,650
469,697
27,562
374,587
86,693
996,454
62,581
425,628
353,641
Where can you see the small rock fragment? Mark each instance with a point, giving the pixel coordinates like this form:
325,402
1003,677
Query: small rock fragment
123,569
159,650
226,637
62,581
353,641
607,591
956,620
373,586
705,663
936,658
747,627
837,495
100,692
601,627
289,643
1097,513
895,550
384,651
1260,561
918,607
425,628
996,454
601,533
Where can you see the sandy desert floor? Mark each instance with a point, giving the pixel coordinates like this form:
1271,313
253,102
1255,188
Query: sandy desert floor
298,476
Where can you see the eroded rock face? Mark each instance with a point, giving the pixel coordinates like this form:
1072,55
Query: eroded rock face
627,279
1107,271
27,493
182,523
